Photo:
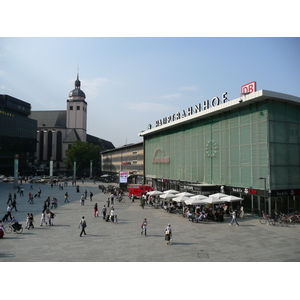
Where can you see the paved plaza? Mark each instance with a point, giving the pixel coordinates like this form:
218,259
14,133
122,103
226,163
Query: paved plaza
123,242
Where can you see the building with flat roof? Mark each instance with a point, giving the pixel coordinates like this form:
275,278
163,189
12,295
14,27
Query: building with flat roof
128,158
247,147
17,135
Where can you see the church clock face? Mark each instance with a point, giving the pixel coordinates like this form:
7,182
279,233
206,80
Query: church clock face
211,148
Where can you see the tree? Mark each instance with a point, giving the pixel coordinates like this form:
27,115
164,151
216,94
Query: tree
83,153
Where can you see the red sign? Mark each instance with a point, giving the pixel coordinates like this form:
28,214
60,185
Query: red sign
248,88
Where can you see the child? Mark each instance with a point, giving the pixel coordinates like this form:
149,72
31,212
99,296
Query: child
116,219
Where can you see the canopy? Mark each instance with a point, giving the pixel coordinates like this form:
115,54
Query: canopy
171,191
195,201
167,196
185,194
232,198
218,195
181,199
154,193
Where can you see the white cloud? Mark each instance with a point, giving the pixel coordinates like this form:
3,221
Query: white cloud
92,87
192,88
147,106
170,96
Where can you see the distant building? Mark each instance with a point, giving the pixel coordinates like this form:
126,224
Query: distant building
128,158
57,130
17,134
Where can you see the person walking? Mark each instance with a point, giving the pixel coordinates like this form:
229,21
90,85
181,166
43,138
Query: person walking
31,221
8,211
14,204
144,227
66,197
104,212
168,234
112,214
9,199
82,223
96,210
43,218
233,216
91,196
82,199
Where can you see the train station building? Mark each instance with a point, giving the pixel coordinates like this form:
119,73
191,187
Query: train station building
248,147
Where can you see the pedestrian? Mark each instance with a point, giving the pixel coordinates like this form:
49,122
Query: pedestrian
116,220
143,200
104,212
242,212
95,210
82,223
112,214
22,191
91,196
8,211
233,216
51,216
112,196
43,220
85,194
14,205
39,192
82,199
9,199
144,227
31,221
30,198
168,234
66,197
27,221
77,189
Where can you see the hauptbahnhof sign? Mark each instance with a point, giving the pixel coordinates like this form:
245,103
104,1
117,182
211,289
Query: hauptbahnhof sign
215,101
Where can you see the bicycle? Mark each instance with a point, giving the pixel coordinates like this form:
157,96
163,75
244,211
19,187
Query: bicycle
121,199
265,219
9,228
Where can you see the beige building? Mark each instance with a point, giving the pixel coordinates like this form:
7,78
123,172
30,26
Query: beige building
128,158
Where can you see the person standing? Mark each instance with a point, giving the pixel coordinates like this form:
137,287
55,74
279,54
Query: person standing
104,212
82,223
95,210
233,216
144,227
31,221
91,196
112,196
168,234
112,214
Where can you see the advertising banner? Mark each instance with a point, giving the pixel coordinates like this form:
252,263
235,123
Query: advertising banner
123,177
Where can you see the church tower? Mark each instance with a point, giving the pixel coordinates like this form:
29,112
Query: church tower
77,113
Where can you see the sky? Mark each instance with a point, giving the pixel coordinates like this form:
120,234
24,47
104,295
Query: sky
136,68
131,82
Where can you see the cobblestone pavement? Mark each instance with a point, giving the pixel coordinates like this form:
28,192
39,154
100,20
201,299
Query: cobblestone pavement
123,242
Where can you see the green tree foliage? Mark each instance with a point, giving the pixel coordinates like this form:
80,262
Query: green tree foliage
83,152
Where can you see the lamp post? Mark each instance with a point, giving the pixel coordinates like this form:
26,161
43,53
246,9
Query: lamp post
91,168
265,194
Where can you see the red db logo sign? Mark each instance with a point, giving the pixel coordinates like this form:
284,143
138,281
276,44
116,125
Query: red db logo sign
248,88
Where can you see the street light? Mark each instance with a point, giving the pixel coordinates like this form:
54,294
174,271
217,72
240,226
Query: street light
265,194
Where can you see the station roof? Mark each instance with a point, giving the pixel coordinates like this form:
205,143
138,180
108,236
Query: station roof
242,101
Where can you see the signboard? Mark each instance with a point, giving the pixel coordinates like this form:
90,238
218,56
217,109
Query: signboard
248,88
123,177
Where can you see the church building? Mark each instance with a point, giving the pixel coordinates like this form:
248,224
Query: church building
57,130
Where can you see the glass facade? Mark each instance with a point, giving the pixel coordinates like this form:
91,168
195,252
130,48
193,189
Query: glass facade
228,149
